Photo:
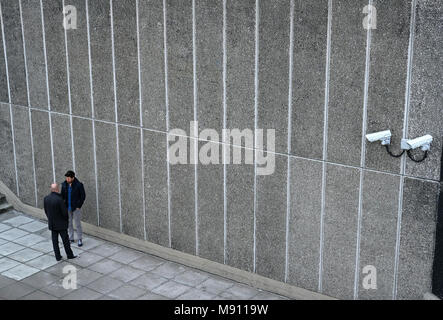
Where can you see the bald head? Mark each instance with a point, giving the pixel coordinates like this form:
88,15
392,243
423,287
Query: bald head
54,187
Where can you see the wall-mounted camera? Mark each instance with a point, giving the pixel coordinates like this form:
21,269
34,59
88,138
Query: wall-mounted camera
423,142
383,136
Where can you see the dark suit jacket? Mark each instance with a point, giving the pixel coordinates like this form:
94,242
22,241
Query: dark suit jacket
78,195
56,212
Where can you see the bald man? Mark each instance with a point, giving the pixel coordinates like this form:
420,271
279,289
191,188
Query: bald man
57,213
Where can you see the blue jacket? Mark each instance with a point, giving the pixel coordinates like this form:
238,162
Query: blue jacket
78,195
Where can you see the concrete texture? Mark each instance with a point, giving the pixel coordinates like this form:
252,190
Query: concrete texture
14,51
77,41
23,150
310,32
4,94
304,223
7,152
61,137
387,78
35,59
340,231
417,251
425,111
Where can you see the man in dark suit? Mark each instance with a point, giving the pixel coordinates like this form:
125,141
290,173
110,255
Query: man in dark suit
73,193
57,213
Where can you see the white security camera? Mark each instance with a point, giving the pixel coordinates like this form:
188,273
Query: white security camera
383,136
424,142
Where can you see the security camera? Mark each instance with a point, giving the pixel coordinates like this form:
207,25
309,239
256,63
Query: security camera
424,142
383,136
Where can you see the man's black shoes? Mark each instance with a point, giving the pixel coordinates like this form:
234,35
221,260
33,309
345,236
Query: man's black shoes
80,243
72,257
72,240
59,258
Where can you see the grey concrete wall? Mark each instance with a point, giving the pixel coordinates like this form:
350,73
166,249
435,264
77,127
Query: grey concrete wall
100,99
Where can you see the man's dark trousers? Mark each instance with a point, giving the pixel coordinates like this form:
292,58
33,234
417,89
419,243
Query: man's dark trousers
57,213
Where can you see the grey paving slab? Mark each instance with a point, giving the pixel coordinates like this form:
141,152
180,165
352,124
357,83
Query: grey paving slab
106,266
40,279
10,247
105,284
169,270
13,234
82,294
152,296
215,285
308,83
14,50
43,262
101,59
38,295
387,78
25,255
304,223
378,232
15,291
2,241
44,246
86,259
56,55
273,67
7,170
42,154
29,240
131,182
191,277
126,255
57,269
86,276
126,292
35,56
347,72
268,296
62,143
34,226
5,281
23,152
20,272
340,231
107,249
171,289
416,253
195,294
148,281
239,292
126,273
18,221
147,263
151,28
425,111
90,243
85,166
6,264
4,227
156,187
107,184
56,289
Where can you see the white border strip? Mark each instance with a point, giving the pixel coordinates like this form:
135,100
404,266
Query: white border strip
225,199
116,114
165,51
194,75
9,99
288,182
91,85
141,119
47,87
405,133
68,79
362,159
325,145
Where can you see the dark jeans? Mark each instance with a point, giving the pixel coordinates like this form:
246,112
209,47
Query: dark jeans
64,235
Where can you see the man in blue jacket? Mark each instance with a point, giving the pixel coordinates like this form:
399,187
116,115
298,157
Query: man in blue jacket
73,194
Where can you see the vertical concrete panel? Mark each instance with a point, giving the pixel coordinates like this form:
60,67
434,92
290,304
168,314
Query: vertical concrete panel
240,67
101,59
126,63
417,238
340,231
79,62
107,167
387,79
84,166
304,223
131,181
378,232
209,51
152,64
35,59
7,169
271,221
347,73
180,63
61,137
308,77
210,206
274,69
240,215
42,154
56,55
4,94
156,187
23,150
14,51
425,110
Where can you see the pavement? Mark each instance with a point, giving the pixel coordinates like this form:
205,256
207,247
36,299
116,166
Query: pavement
104,270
